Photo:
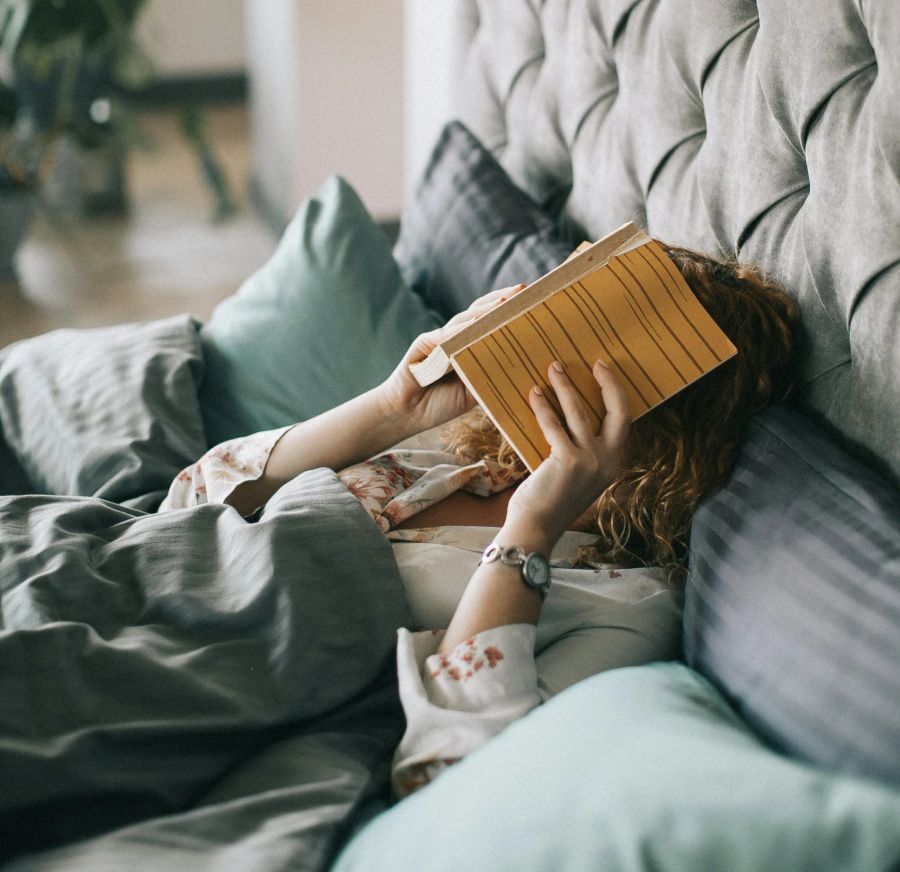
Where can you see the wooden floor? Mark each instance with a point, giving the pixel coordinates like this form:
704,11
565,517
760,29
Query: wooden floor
163,258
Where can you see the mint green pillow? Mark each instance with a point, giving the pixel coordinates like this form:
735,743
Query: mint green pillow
326,318
635,769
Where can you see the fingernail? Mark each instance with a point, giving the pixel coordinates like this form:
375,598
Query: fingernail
558,366
600,363
538,391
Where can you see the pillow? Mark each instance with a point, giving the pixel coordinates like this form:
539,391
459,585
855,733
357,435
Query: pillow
109,412
327,318
638,768
469,229
793,602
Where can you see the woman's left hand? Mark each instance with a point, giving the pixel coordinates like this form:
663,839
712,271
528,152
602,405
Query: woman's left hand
581,464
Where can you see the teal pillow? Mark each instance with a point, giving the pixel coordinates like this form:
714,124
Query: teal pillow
327,318
635,769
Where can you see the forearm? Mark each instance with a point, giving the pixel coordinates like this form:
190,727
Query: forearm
340,437
581,464
496,594
370,423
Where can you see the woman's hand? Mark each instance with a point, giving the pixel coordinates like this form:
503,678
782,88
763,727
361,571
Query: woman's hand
580,466
446,399
581,463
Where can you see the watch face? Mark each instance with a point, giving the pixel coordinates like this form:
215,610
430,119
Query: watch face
536,570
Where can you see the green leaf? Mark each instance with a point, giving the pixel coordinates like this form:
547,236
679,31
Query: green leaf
13,18
193,126
9,105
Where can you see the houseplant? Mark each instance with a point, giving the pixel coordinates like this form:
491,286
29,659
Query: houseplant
69,68
16,203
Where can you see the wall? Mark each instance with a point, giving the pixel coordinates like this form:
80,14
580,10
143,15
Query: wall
274,103
433,49
326,83
195,37
362,89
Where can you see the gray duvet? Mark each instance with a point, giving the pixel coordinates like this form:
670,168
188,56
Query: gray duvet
189,690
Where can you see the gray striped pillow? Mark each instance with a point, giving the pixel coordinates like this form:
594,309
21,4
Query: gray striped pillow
793,602
469,229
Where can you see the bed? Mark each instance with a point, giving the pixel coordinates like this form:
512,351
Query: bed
170,695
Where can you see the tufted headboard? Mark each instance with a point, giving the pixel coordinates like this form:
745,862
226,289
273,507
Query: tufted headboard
764,130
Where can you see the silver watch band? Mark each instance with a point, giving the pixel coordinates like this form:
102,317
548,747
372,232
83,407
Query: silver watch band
511,555
534,568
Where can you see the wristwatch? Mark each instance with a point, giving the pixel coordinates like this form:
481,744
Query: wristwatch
534,567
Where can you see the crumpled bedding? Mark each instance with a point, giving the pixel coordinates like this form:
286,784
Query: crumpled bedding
187,690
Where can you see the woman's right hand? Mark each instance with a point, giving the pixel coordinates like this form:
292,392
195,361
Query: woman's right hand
403,396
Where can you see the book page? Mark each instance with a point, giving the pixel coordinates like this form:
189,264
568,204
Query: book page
587,257
636,313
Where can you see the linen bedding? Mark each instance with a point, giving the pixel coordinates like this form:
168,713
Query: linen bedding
183,688
179,690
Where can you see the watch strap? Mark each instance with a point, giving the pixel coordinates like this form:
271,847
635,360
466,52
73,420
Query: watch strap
515,555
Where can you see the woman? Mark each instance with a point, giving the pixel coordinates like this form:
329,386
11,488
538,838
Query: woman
636,485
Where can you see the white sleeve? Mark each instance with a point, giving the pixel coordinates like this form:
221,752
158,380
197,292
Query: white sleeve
215,475
454,703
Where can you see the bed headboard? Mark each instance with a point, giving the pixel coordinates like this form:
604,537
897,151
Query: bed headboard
766,130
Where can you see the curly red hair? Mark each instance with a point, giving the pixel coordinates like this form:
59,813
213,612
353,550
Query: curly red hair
686,447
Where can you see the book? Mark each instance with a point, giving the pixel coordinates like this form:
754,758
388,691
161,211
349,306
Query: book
621,300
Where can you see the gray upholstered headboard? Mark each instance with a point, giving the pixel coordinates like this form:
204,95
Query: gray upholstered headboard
767,130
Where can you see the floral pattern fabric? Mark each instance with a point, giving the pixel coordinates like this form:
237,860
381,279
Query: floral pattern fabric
397,485
391,487
455,702
214,476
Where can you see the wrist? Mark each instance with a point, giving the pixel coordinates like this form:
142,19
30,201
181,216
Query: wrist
528,535
386,424
394,414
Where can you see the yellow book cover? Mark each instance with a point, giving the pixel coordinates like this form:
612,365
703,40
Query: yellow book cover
621,300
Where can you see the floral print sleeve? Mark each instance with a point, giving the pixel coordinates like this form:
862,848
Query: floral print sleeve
215,475
454,703
397,485
391,487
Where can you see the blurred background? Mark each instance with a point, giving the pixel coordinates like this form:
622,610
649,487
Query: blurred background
152,150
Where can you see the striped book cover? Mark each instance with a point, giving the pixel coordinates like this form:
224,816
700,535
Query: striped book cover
632,308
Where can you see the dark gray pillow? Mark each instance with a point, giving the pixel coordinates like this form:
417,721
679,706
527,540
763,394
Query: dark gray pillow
469,229
109,412
793,601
